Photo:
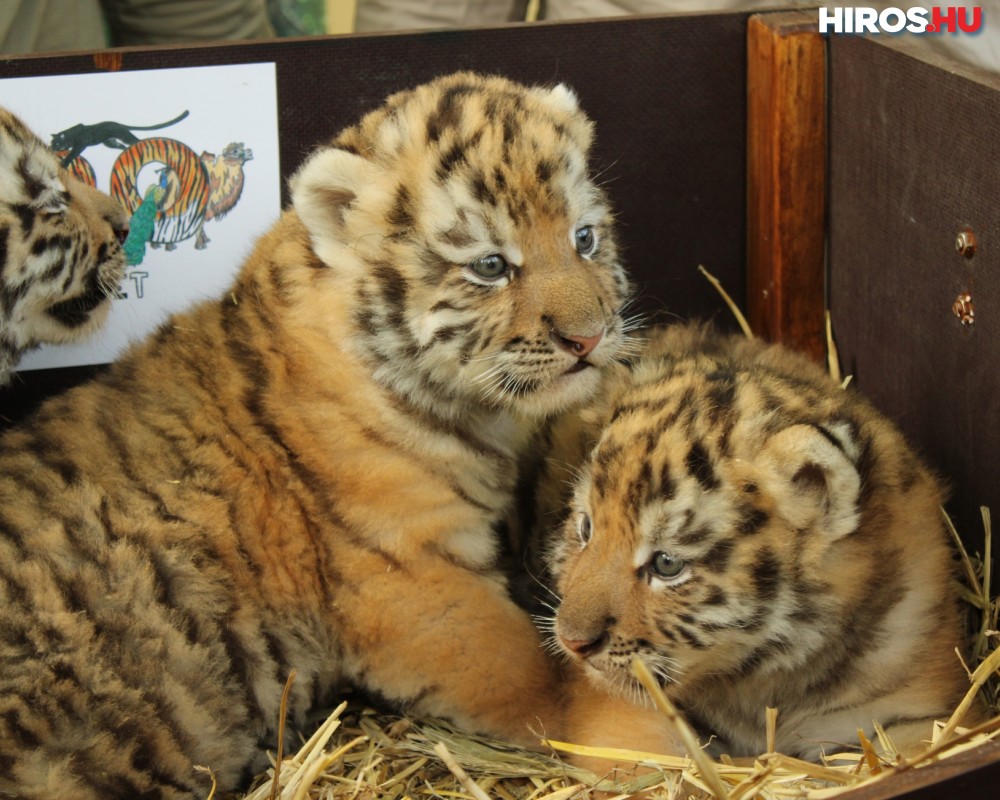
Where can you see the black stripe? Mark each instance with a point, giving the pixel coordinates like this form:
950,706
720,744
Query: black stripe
25,738
32,185
766,575
450,160
26,216
717,559
699,464
639,489
752,520
400,216
393,288
830,438
716,597
759,656
691,638
4,246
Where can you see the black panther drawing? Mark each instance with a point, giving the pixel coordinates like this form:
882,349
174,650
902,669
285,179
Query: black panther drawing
111,134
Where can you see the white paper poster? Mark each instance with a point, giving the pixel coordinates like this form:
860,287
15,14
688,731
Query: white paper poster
193,156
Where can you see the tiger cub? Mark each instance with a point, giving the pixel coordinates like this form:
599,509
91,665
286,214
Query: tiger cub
61,256
307,473
759,537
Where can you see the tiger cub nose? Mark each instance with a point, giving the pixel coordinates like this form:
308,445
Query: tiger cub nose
584,648
579,346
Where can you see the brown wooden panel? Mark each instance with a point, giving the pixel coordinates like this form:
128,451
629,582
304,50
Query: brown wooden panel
667,94
973,774
914,157
914,160
786,165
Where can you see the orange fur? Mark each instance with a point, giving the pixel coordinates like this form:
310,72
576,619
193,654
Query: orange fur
308,472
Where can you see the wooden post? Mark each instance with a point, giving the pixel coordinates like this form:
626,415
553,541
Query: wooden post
786,179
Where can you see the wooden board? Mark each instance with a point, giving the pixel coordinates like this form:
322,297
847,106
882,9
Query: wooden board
786,168
973,774
914,160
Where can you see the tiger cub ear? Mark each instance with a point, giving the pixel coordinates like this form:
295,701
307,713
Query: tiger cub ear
811,473
563,98
324,188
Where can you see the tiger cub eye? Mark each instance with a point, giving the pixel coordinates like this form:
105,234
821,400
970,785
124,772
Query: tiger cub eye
586,240
664,565
490,267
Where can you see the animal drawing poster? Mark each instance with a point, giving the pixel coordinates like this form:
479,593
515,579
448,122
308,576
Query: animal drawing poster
192,154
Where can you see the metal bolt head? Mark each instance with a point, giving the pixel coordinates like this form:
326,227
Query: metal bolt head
965,243
964,309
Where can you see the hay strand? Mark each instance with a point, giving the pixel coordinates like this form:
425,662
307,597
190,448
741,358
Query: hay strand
869,756
735,309
706,766
211,775
282,716
463,777
618,754
771,728
832,355
981,674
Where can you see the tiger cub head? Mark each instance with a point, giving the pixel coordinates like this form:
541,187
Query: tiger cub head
759,537
61,256
478,254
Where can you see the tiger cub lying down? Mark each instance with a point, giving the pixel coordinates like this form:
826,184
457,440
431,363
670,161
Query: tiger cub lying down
759,537
308,473
61,254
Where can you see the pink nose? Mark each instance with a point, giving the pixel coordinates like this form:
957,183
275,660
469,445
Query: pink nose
583,647
579,346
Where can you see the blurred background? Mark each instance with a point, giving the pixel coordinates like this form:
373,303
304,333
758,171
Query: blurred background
41,26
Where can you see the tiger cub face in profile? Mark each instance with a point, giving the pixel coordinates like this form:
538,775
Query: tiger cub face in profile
61,256
760,538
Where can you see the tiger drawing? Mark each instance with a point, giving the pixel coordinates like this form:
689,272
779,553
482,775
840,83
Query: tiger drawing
310,472
61,254
759,537
182,177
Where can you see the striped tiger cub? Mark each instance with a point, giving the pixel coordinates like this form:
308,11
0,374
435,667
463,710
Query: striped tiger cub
307,473
61,255
760,537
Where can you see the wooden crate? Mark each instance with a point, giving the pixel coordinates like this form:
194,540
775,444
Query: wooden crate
805,172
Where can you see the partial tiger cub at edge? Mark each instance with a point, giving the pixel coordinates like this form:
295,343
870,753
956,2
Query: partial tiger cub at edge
759,537
308,473
61,256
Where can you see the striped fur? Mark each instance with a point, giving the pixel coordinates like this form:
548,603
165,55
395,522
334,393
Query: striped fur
307,473
760,537
60,248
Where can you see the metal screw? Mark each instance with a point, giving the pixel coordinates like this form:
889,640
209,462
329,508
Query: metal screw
963,309
965,243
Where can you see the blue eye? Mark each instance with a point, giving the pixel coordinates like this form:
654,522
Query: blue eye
585,529
490,267
586,240
665,566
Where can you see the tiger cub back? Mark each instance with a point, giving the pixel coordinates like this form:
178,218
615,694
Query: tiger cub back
760,537
61,256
